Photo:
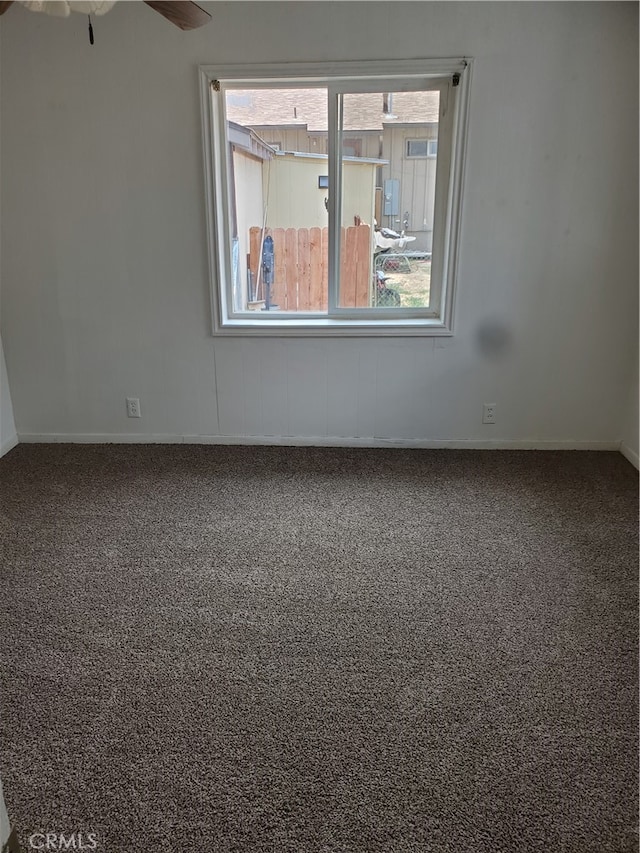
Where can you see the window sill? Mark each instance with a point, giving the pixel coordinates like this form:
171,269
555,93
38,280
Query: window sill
333,328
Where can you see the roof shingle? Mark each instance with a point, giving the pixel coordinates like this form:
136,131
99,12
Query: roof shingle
308,108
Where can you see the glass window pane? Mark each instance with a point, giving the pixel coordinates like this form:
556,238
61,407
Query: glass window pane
279,220
417,147
388,198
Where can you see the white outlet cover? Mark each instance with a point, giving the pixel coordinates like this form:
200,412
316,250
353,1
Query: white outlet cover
133,407
489,413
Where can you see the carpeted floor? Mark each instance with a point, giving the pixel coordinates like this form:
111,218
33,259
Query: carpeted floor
319,650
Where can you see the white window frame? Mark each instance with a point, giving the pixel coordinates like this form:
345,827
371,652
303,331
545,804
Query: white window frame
339,78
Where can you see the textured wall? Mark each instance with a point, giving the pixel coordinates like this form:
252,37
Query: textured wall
104,262
631,428
7,425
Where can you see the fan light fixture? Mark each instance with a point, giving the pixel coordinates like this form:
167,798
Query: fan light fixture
63,8
182,13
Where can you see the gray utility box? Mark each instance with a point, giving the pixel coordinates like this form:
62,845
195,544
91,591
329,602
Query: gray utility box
391,197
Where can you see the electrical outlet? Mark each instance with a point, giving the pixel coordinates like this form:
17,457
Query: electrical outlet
133,407
489,413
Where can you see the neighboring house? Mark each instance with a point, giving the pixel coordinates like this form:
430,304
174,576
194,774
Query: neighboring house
398,131
284,189
296,191
248,154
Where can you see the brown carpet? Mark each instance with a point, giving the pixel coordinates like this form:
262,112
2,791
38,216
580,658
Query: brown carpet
315,651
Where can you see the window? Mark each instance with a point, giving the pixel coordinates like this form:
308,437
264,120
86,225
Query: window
288,259
422,147
351,146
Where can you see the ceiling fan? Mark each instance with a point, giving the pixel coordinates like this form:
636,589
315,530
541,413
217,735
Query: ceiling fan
184,14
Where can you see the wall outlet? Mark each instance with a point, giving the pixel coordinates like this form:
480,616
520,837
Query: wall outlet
133,407
489,413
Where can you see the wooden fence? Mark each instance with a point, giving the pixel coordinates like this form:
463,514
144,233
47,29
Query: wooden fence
300,280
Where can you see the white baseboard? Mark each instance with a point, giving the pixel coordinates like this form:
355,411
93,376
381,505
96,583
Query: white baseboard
630,454
8,445
316,441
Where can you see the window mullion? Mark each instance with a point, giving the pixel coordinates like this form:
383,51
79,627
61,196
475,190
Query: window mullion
334,108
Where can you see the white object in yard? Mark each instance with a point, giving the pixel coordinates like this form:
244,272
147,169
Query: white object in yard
397,242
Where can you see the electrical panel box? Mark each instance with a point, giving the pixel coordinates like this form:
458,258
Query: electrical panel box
391,197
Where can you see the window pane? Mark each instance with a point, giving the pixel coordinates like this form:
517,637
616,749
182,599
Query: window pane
417,147
277,158
388,198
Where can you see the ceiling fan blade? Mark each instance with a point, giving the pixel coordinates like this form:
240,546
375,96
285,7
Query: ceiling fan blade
186,15
4,6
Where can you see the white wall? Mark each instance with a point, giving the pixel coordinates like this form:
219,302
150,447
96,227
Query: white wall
631,428
5,827
8,437
104,271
